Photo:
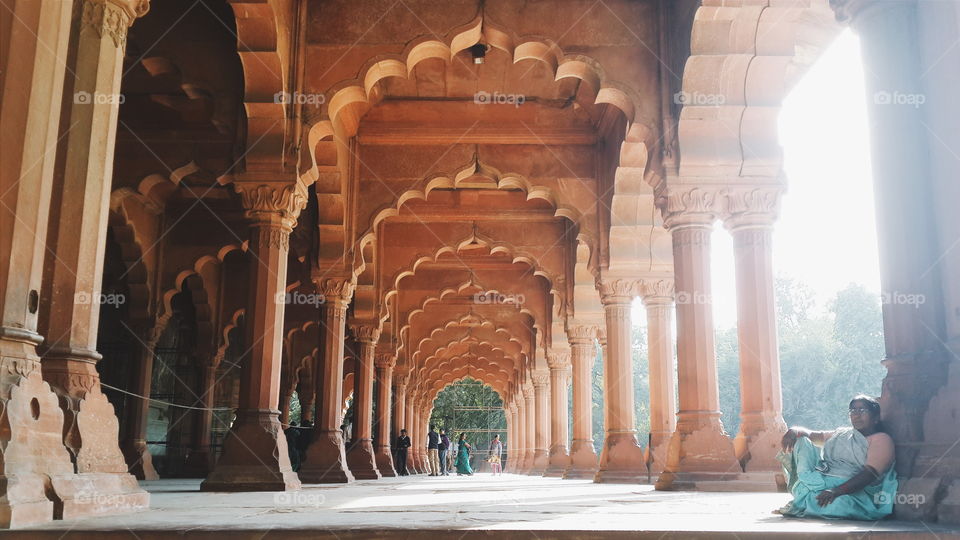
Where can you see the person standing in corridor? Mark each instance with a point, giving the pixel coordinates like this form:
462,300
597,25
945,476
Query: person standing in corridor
433,446
443,451
403,443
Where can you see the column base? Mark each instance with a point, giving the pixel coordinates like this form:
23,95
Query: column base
24,502
756,449
559,462
33,435
656,453
95,494
622,460
721,482
326,461
701,456
541,460
139,460
361,460
384,460
254,456
583,461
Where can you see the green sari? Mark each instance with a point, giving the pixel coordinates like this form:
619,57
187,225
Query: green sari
844,455
463,458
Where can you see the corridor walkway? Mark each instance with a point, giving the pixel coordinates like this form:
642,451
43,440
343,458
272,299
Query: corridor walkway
510,506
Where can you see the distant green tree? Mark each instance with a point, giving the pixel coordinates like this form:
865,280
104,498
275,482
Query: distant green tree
470,393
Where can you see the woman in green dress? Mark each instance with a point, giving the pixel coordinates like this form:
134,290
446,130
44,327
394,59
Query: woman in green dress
463,456
852,477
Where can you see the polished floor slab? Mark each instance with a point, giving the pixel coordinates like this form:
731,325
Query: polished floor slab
507,506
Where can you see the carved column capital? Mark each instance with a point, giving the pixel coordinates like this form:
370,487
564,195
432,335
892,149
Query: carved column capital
528,391
366,334
272,202
110,17
691,205
384,360
752,207
617,290
336,290
581,334
657,291
540,378
559,359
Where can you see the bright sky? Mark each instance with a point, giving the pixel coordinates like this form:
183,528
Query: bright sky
826,234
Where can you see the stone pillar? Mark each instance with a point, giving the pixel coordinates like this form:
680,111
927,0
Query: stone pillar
200,461
73,271
418,439
530,421
520,460
36,47
542,422
559,363
399,404
699,449
411,432
255,455
761,409
658,300
510,437
385,361
136,453
326,460
583,457
360,457
622,458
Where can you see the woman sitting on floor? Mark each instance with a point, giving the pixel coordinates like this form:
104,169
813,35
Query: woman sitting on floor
853,476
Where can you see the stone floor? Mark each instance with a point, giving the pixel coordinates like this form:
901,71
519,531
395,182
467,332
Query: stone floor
507,506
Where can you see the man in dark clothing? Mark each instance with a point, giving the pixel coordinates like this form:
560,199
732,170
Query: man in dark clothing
292,435
444,446
403,442
433,445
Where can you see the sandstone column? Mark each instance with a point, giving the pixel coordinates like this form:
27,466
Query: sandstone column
699,449
73,271
530,419
35,43
399,405
559,363
360,457
255,455
138,457
658,300
326,460
541,451
410,420
583,457
621,459
521,464
201,460
761,422
511,441
385,361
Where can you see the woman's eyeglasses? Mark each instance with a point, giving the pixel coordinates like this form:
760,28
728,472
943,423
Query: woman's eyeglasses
859,411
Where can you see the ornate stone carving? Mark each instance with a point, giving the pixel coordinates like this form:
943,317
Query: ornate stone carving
384,360
660,288
106,17
269,200
540,379
614,290
559,360
752,206
694,204
528,392
366,333
400,381
275,237
335,289
581,334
